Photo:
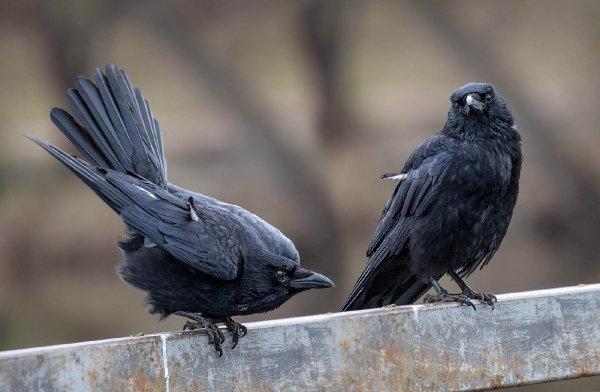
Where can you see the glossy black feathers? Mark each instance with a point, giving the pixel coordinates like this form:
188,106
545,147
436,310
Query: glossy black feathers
452,205
189,252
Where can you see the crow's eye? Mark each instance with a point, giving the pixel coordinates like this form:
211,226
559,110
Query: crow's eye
488,98
280,274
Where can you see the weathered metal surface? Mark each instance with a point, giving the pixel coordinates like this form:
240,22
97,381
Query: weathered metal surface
529,338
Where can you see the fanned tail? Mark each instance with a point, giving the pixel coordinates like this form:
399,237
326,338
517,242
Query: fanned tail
119,131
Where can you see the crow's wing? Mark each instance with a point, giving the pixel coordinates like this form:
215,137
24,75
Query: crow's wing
262,232
207,244
412,197
416,191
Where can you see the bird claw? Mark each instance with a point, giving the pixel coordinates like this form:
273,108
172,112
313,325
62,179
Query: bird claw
487,298
235,329
447,297
191,325
464,298
215,336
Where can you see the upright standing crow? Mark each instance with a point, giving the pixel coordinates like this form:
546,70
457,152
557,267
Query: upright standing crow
194,256
450,209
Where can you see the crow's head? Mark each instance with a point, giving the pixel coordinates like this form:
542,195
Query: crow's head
292,277
475,99
477,111
270,280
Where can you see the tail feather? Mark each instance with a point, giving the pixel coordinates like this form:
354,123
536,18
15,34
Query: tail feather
158,137
134,124
127,107
153,130
92,176
405,293
112,111
390,282
119,131
78,136
92,98
408,293
85,116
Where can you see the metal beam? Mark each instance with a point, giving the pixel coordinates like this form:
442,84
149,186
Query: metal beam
529,338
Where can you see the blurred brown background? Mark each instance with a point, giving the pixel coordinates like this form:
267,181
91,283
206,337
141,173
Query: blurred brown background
291,110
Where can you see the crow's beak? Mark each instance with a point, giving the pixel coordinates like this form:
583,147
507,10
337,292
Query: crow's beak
304,279
472,103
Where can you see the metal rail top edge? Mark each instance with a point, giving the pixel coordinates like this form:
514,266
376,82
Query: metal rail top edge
525,295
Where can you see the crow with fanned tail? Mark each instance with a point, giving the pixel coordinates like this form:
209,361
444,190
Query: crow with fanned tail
193,255
450,209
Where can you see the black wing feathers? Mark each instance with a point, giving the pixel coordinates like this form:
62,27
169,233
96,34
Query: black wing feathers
414,194
260,231
412,197
123,142
205,245
214,246
143,223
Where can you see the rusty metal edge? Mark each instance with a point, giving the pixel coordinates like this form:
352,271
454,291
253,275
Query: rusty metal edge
15,355
300,320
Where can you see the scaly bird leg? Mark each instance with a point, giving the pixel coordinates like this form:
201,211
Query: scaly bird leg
444,296
468,292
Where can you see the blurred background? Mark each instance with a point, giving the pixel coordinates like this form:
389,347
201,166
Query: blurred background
292,110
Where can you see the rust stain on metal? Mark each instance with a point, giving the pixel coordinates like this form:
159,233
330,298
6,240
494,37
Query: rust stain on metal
530,337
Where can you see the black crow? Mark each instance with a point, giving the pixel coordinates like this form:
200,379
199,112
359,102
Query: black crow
193,255
450,209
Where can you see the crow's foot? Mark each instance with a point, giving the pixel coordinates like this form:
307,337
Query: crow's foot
215,336
237,330
487,298
447,297
468,292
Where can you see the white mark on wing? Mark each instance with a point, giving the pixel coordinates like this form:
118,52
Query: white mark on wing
398,177
146,192
193,214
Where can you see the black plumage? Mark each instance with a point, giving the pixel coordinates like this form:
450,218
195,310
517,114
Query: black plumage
450,209
194,256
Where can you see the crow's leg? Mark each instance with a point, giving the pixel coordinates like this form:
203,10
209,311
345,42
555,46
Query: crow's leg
444,296
488,298
215,336
237,330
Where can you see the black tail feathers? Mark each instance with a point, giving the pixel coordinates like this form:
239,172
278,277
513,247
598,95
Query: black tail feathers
119,131
384,282
92,176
